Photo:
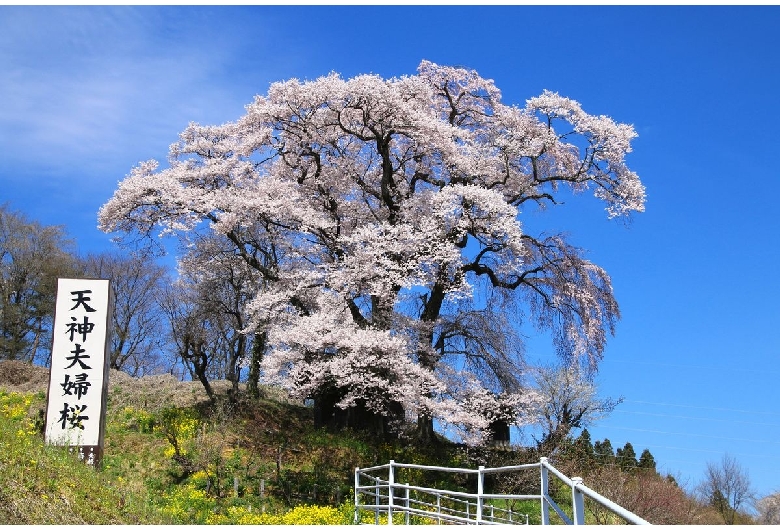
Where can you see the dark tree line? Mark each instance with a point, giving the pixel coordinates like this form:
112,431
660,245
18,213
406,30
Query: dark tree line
32,256
589,454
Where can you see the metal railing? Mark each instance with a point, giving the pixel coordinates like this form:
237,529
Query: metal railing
388,499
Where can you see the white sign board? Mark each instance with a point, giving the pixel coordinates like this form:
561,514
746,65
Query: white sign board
78,380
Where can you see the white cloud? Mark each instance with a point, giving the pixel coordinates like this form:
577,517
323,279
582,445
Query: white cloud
88,85
88,92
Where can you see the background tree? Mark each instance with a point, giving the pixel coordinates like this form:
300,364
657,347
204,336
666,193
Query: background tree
32,257
626,458
578,453
769,509
726,486
207,312
139,331
647,460
191,332
648,495
391,208
568,400
604,453
224,285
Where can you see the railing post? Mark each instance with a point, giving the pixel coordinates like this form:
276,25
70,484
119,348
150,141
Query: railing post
357,494
545,490
377,501
480,491
578,501
406,517
390,492
438,507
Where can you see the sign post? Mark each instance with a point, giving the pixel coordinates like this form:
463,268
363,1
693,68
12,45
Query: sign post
78,379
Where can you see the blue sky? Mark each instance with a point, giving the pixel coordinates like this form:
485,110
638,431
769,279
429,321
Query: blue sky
88,92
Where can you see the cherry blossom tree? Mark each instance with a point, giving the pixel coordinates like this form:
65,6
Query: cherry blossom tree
769,509
567,400
382,217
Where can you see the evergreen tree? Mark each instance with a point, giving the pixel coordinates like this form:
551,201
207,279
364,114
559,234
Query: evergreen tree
646,460
584,449
626,457
720,503
603,452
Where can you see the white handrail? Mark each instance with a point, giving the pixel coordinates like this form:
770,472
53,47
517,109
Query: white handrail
476,511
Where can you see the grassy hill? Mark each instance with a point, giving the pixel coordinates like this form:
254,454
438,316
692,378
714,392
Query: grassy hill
170,456
173,457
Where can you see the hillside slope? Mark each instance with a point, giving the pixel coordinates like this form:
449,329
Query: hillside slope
172,456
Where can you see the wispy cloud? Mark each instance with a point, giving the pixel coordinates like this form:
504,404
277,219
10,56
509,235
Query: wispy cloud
88,92
82,84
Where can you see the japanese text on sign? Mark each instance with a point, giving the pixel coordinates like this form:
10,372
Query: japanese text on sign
78,366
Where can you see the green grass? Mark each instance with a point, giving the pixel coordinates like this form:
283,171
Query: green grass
48,485
170,460
261,463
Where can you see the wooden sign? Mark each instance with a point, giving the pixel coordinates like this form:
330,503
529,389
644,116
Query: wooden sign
78,379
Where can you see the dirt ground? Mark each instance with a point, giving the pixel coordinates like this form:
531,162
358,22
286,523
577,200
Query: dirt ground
18,376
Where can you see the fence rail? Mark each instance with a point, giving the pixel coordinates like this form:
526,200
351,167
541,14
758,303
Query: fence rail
377,490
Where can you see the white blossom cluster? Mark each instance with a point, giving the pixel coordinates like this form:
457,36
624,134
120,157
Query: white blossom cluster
382,217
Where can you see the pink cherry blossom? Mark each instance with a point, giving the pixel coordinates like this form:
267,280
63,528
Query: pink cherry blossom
382,218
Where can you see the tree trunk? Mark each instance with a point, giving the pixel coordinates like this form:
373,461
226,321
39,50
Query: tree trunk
235,355
206,385
499,433
425,435
258,349
357,417
199,360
